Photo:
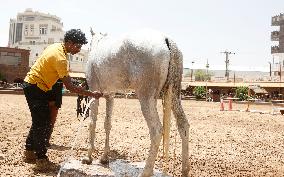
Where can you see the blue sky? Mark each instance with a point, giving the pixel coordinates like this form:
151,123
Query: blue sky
202,29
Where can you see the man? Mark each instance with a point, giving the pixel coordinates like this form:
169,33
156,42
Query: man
51,65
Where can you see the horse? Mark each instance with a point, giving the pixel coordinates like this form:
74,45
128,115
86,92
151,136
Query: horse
150,63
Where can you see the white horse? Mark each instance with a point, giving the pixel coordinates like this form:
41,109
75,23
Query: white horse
150,63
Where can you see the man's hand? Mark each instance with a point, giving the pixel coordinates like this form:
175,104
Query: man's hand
97,95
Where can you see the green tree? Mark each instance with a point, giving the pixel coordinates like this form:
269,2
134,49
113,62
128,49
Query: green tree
242,93
201,75
199,92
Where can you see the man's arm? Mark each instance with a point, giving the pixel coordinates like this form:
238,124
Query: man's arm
77,89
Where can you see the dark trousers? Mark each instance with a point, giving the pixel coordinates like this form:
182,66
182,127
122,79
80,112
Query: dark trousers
55,94
40,129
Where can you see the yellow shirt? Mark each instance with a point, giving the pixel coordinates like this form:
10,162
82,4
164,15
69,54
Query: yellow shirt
51,65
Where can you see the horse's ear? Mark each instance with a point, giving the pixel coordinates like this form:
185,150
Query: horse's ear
92,32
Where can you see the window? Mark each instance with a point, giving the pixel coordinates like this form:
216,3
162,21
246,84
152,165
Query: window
43,29
26,32
32,29
32,42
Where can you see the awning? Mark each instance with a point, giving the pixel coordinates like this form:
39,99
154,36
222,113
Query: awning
77,75
258,90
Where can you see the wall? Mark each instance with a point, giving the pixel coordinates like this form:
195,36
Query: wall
14,63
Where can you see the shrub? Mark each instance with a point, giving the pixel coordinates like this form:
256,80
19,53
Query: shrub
201,75
242,93
199,92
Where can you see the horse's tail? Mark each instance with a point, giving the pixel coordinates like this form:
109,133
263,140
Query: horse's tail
172,101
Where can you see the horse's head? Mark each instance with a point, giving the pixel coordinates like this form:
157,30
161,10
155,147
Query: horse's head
96,38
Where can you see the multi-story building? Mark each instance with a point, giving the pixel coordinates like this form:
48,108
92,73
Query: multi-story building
278,50
34,31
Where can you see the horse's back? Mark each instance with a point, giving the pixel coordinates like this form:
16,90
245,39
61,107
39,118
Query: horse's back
138,60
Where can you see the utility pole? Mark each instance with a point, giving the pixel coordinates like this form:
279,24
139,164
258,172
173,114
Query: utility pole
280,79
207,75
227,61
270,69
207,66
191,74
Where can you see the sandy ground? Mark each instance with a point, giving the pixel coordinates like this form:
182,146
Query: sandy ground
228,143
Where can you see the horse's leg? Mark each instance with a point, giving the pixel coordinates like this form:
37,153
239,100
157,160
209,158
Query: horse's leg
107,126
92,130
149,110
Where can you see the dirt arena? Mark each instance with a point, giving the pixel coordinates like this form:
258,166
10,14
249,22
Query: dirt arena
228,143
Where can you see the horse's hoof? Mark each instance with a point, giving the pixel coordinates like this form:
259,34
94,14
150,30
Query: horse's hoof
87,160
104,160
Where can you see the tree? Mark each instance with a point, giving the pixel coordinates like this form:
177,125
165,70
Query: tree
199,92
201,75
242,93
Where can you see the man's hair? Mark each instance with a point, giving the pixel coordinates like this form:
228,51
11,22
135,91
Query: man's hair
75,36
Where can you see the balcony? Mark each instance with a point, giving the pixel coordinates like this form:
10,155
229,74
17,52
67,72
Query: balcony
275,20
275,36
275,49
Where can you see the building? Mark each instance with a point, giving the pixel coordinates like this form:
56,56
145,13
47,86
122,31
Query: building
77,62
34,31
14,64
277,50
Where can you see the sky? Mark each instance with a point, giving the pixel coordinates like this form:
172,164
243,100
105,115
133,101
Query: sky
202,29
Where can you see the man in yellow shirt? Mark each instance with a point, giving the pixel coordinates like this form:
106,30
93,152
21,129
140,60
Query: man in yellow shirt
51,65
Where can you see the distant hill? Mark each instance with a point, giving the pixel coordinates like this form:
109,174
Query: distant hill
241,74
245,75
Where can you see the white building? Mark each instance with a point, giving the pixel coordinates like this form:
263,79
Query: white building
78,61
34,31
277,50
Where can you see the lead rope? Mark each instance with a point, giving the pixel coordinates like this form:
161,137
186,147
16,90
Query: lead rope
79,128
